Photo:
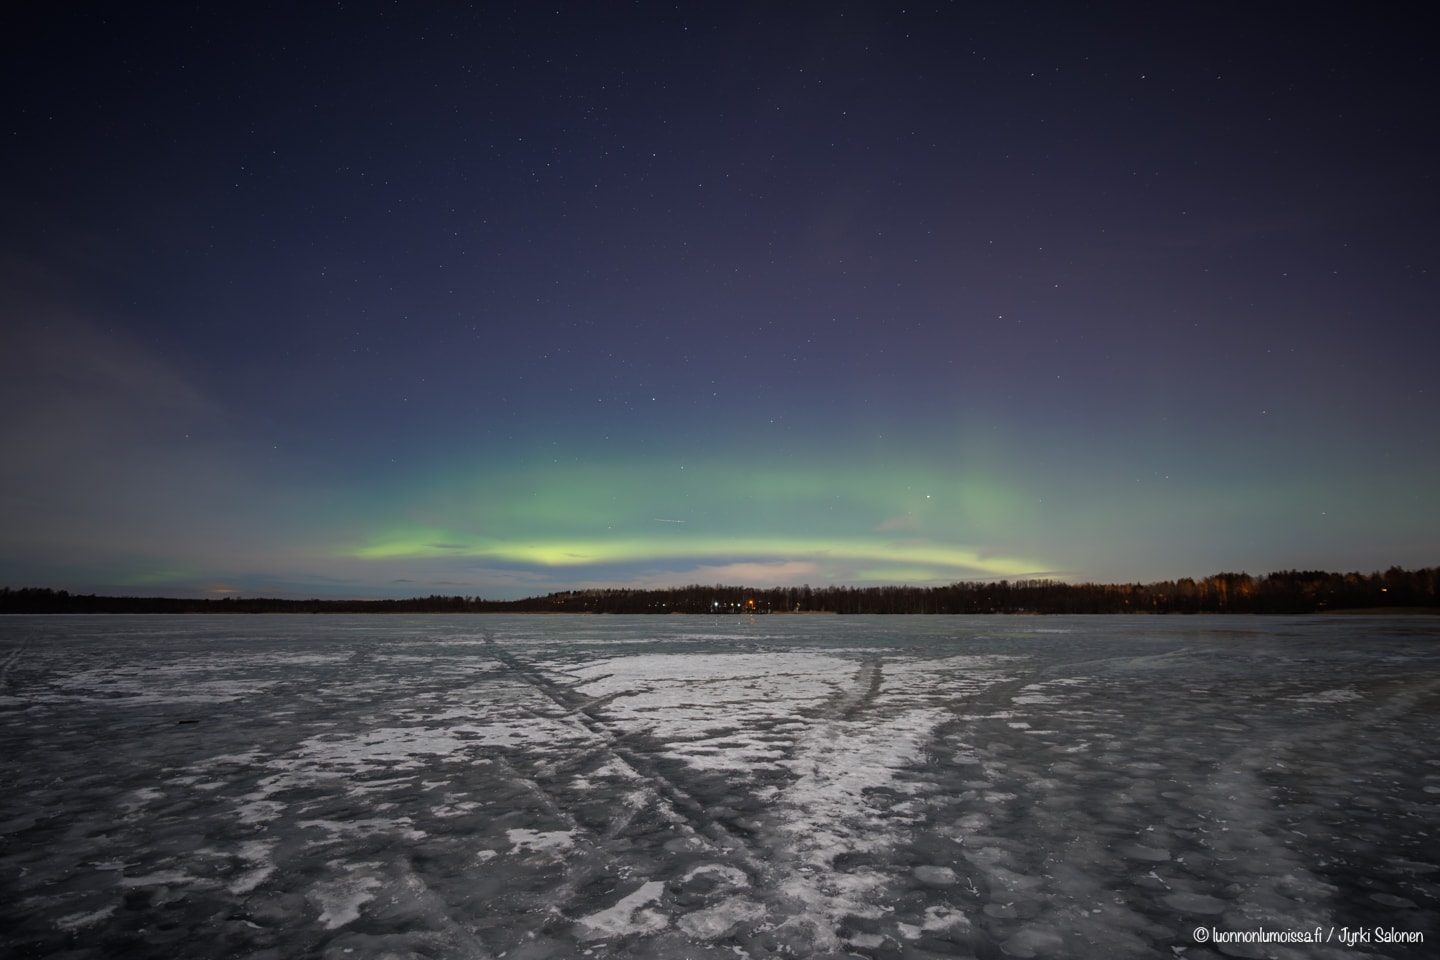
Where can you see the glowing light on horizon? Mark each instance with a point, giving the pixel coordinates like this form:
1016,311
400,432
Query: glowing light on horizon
850,521
924,560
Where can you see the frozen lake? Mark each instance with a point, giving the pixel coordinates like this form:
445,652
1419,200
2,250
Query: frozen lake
689,787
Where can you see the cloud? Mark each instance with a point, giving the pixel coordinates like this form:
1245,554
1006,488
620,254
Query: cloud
71,389
112,453
780,573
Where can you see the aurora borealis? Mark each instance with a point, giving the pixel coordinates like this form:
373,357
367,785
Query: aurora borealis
391,301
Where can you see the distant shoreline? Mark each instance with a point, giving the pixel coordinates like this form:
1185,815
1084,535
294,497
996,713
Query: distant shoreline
1344,614
1396,592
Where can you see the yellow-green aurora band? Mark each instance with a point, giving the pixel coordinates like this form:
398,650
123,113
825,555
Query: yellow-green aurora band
878,522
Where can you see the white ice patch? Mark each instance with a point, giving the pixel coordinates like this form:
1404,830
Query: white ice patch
347,758
938,919
75,921
161,878
792,669
455,808
1046,693
340,900
628,915
1340,695
540,841
840,727
141,797
259,853
259,810
907,679
395,747
722,919
184,682
722,875
933,876
724,712
827,812
367,827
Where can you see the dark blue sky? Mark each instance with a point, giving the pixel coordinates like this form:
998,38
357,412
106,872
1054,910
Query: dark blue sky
379,299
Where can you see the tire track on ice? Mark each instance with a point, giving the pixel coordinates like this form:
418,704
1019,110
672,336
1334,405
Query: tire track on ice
816,856
10,661
859,697
673,802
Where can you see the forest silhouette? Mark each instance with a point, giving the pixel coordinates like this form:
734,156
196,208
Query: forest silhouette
1284,592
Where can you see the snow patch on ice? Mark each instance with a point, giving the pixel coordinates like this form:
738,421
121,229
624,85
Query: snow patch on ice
722,919
628,915
141,797
259,810
933,876
161,878
75,921
540,841
340,900
1340,695
259,853
368,827
830,811
131,685
725,876
1046,693
939,918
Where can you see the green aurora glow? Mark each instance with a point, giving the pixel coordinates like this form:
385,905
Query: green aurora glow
879,523
561,307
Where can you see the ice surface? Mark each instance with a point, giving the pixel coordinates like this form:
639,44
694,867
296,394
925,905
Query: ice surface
688,787
629,915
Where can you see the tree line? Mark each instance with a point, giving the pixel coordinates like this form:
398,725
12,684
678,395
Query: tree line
1284,592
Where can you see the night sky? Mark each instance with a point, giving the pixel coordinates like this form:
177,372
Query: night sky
365,300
